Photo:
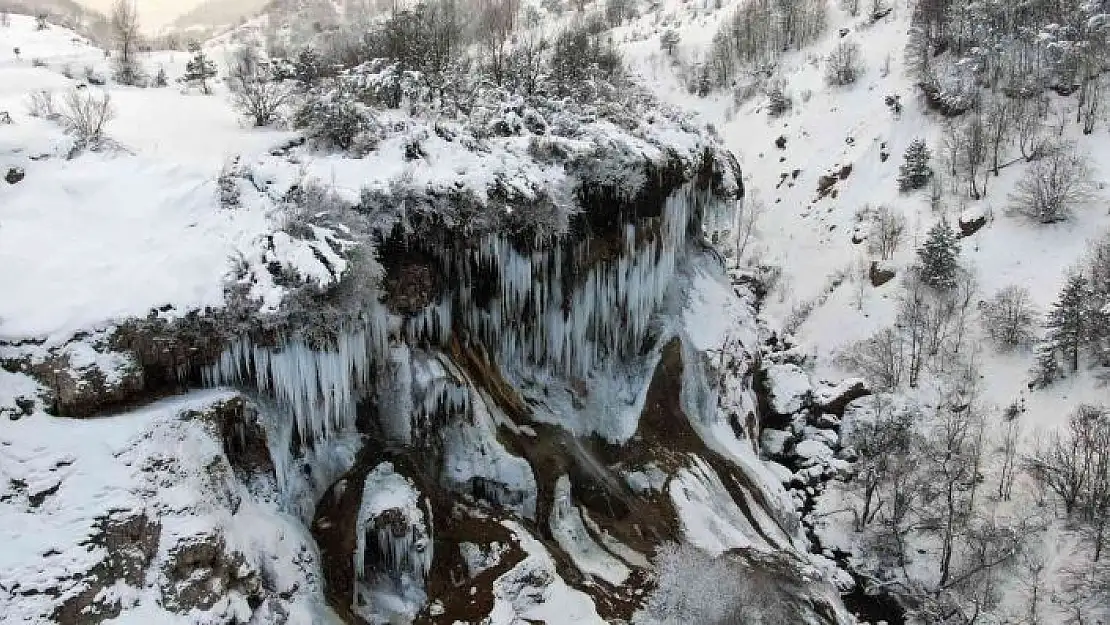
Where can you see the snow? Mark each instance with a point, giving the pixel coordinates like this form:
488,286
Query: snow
533,590
112,235
473,453
153,461
710,518
117,237
576,541
789,388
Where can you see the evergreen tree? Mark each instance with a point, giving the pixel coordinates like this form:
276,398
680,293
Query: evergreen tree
914,172
200,69
308,68
1047,369
1067,330
938,255
160,79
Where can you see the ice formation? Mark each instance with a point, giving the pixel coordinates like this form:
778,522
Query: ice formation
544,314
570,532
394,542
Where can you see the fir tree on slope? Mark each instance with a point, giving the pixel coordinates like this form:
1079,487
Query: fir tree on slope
1047,368
200,69
1067,324
939,257
914,172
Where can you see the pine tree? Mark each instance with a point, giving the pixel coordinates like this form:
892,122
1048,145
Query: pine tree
200,68
1047,369
308,68
1067,330
939,257
160,79
914,172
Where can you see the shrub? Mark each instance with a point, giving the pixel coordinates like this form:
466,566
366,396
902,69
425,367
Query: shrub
1009,317
85,115
844,64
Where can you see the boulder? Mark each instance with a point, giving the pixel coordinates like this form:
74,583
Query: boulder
970,223
14,175
833,398
879,274
773,442
788,388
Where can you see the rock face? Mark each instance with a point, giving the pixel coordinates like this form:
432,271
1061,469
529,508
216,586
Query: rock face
512,433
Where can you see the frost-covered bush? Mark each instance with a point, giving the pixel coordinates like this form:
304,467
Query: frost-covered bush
334,118
844,64
1010,318
41,104
85,114
693,587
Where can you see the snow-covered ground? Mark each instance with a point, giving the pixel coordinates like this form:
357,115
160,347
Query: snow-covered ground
824,293
161,475
114,234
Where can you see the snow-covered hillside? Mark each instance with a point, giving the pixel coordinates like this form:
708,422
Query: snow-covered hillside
462,362
498,312
818,172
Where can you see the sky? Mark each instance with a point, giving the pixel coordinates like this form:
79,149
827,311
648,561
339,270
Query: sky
152,13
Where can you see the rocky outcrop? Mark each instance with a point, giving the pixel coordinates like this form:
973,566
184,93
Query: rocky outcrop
129,543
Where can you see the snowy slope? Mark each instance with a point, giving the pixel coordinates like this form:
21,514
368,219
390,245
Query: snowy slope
824,294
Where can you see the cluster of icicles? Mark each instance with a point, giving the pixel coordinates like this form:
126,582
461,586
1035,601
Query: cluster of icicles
535,318
539,318
391,515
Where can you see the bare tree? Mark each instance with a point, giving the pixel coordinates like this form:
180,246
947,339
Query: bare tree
1053,186
888,229
1090,105
1007,470
953,454
880,359
1029,126
884,445
998,117
1065,463
1010,318
497,20
253,90
125,30
844,64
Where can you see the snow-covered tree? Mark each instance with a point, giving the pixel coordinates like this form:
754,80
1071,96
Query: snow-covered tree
778,101
669,41
1098,272
200,69
1053,186
308,68
125,31
1067,323
253,91
160,79
1009,317
844,64
914,172
939,257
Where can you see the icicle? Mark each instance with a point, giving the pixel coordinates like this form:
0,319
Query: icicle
320,387
401,528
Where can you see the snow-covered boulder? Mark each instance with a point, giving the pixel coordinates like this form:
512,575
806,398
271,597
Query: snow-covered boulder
774,441
788,387
833,397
